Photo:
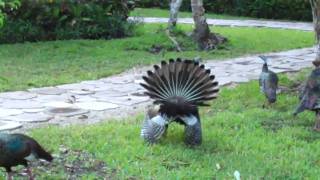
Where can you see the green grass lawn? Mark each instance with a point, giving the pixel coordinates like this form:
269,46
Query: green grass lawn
238,135
27,65
155,12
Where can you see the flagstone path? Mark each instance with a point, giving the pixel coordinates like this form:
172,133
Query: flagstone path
305,26
122,96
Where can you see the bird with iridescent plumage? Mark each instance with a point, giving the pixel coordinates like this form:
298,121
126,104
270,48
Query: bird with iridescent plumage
310,96
18,149
268,82
178,88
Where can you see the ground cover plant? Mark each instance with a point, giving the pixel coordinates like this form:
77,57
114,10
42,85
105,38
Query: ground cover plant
238,135
27,65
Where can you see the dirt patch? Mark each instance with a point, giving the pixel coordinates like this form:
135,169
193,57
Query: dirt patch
71,164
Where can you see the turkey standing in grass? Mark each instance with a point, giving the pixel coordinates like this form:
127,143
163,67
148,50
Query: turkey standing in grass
178,88
268,82
17,149
310,97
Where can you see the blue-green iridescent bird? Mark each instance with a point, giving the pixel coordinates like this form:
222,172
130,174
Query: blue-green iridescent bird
268,82
18,149
310,96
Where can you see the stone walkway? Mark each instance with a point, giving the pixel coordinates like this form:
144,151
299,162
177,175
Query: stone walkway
241,23
121,95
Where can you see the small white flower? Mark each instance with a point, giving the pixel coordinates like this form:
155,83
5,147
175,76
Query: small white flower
218,166
237,175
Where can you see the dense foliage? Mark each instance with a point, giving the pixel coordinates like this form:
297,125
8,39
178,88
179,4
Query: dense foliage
12,4
37,20
271,9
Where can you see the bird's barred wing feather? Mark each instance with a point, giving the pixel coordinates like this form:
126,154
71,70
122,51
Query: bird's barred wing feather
153,129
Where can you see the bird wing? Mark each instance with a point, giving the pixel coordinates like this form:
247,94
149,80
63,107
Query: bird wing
16,148
153,129
270,85
189,120
311,92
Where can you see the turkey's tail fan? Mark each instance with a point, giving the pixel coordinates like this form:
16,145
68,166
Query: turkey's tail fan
180,81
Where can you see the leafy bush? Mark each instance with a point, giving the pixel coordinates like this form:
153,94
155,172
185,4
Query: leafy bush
12,4
271,9
37,20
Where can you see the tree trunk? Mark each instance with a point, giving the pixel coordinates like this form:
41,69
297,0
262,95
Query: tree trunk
202,35
174,10
315,5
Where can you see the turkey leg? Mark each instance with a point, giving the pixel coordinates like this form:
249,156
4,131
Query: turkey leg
317,123
9,175
30,173
193,134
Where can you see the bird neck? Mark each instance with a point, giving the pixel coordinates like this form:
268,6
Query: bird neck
265,67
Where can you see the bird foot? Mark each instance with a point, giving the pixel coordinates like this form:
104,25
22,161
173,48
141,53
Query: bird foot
316,129
317,125
30,174
9,176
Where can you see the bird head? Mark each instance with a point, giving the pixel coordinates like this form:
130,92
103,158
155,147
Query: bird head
264,58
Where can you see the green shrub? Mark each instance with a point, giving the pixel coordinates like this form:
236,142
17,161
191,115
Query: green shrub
11,4
37,20
271,9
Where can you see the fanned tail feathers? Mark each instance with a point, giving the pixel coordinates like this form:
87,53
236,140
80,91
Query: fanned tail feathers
184,79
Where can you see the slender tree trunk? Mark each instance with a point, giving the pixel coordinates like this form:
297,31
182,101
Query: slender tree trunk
315,5
202,35
174,10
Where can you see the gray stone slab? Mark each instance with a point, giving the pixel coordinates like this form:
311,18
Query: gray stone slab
96,106
78,86
58,104
30,117
103,94
81,92
126,100
18,95
20,104
9,112
86,98
50,98
66,112
94,83
48,91
8,125
125,87
119,79
223,81
33,110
